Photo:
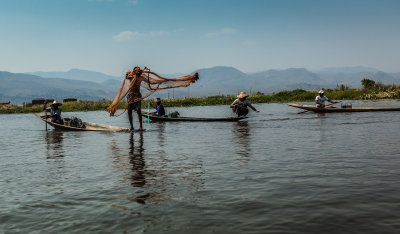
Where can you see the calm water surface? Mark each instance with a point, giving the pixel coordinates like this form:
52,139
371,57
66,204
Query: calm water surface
277,172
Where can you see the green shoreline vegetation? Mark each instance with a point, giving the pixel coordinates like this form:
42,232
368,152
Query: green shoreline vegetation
370,91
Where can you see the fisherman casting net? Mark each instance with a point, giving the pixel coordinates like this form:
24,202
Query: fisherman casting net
139,84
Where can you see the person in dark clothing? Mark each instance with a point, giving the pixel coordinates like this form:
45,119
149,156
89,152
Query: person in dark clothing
133,94
135,106
239,106
160,111
55,112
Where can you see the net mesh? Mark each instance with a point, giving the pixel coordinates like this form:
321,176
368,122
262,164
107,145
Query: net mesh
145,82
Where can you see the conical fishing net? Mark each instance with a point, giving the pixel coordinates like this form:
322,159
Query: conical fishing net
139,84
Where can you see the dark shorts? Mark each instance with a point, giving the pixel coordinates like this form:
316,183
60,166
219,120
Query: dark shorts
240,111
136,106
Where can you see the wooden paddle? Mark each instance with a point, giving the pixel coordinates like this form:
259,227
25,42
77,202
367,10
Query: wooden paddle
323,107
45,112
148,115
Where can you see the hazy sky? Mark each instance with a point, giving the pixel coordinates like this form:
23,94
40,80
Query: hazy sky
172,36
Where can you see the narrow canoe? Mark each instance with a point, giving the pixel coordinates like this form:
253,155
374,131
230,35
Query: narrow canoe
330,109
191,119
89,126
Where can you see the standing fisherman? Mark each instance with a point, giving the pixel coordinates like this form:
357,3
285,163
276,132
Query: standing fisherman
134,96
147,80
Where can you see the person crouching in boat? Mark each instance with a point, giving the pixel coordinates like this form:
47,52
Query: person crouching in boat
321,99
239,106
160,111
55,112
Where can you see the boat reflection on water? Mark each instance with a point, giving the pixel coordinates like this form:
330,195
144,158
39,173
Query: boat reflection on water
55,163
54,143
160,129
241,134
320,127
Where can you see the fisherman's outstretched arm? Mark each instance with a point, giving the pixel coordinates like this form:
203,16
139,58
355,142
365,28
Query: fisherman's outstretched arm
333,102
253,108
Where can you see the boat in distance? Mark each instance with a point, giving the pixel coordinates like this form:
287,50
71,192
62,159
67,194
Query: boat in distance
190,119
331,109
88,125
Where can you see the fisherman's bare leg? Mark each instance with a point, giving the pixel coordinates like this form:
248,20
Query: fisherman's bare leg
140,120
139,112
130,117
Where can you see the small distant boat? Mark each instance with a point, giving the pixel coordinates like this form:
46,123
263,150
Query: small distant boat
88,126
330,109
190,119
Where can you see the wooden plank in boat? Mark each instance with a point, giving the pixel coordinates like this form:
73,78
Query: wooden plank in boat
89,126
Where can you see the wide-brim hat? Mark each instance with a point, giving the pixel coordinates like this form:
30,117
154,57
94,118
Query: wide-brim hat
321,91
242,95
55,103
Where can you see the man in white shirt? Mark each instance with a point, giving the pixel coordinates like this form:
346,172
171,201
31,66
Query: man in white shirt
321,99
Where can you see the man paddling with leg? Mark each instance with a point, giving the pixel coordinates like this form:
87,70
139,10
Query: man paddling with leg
321,99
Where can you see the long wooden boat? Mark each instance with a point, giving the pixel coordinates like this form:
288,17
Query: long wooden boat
89,126
330,109
191,119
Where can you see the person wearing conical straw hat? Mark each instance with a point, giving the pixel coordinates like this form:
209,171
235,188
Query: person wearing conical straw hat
55,112
239,106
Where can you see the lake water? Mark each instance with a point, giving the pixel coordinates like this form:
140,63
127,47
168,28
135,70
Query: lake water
277,172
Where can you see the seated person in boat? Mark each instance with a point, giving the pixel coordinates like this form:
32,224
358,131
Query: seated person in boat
239,106
321,99
55,112
160,111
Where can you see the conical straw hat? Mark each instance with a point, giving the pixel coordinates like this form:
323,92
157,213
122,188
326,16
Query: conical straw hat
242,95
56,103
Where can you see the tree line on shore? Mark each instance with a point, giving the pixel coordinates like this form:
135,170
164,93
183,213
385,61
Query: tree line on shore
371,90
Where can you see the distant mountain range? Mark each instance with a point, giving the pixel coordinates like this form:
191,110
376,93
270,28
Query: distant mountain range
355,69
77,74
18,88
228,80
90,85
